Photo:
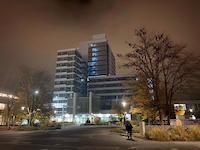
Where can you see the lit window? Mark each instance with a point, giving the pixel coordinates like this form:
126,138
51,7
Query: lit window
94,54
94,59
92,63
92,44
94,49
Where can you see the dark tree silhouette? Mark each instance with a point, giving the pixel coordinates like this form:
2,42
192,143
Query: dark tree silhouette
162,64
29,81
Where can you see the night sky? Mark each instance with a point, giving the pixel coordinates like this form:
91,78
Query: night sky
31,31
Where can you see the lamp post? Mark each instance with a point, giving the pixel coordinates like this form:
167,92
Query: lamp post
124,104
36,92
31,110
22,108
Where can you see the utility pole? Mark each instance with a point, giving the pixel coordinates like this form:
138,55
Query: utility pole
74,106
90,103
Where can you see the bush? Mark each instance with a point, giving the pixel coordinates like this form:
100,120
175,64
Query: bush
174,133
178,133
136,129
194,132
158,133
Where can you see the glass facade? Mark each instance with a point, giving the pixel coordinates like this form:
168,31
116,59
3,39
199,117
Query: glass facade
110,89
70,78
100,58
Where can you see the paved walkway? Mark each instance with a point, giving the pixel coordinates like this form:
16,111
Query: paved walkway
83,138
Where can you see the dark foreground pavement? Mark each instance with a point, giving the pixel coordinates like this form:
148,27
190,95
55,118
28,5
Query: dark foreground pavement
83,138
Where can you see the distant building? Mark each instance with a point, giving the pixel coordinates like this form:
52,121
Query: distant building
5,99
111,90
70,78
101,60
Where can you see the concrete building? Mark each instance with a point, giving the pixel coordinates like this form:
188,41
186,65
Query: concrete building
5,99
89,87
70,80
110,90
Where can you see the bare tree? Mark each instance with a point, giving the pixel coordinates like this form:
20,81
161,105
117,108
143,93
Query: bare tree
163,65
31,80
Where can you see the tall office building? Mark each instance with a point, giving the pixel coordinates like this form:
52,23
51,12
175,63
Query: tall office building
101,60
95,78
70,79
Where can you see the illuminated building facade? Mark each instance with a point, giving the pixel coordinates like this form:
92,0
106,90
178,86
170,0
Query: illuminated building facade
70,80
101,60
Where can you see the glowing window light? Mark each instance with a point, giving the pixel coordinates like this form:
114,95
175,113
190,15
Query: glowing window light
94,49
8,96
94,59
2,106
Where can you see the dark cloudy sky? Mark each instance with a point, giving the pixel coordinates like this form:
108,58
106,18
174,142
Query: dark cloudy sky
32,30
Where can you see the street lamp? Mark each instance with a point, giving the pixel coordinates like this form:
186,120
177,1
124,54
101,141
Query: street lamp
36,92
124,104
22,108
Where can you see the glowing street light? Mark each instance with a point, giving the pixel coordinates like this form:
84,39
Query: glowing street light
124,104
22,108
36,92
191,110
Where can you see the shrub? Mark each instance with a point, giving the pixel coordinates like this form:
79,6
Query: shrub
174,133
194,133
158,133
178,133
136,129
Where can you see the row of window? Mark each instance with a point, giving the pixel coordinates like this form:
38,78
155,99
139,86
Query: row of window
60,101
69,70
70,64
97,63
105,85
70,58
67,95
112,79
67,89
67,53
71,82
109,91
60,110
96,70
73,52
64,82
99,51
68,76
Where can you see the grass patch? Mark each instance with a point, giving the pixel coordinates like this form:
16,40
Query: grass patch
174,133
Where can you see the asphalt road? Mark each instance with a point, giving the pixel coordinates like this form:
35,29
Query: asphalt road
82,138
